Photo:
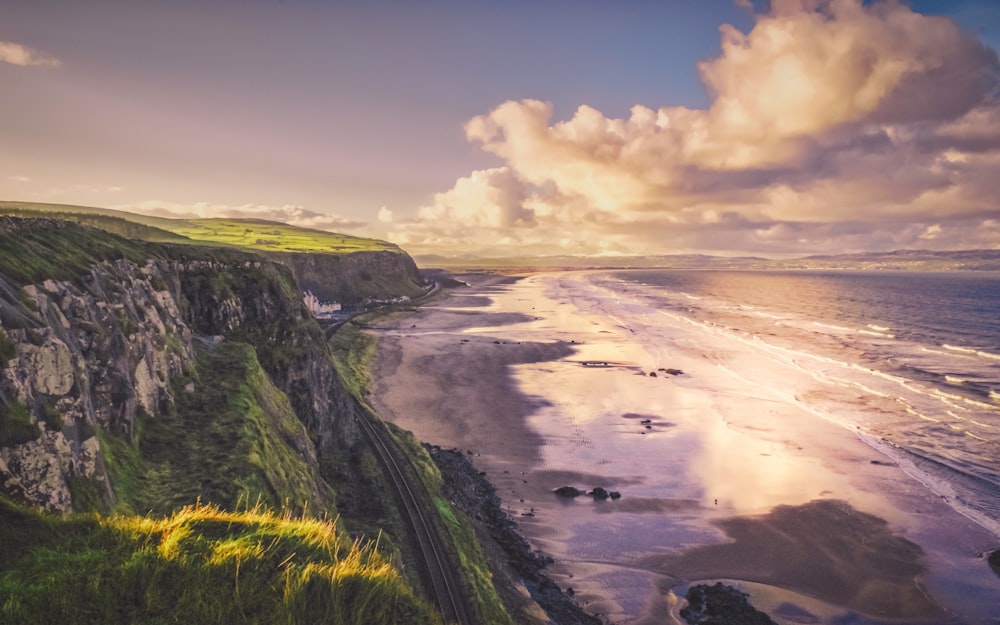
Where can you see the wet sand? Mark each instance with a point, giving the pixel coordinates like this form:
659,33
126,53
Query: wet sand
800,513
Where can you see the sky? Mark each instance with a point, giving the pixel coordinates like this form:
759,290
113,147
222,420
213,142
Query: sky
579,127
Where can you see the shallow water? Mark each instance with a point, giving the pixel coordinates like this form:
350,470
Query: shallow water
795,388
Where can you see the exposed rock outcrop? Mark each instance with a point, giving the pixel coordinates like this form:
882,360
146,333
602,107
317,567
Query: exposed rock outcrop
103,345
721,605
357,279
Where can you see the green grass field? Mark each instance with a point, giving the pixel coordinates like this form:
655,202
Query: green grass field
249,234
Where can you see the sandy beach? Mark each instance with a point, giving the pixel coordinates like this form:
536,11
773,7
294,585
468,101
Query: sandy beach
718,480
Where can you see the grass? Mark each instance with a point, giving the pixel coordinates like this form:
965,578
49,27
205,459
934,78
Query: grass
16,426
234,438
33,255
272,236
247,234
354,353
198,565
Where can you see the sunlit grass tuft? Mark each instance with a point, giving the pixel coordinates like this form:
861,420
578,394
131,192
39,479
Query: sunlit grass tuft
201,564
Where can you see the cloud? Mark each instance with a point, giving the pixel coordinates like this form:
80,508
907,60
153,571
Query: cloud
831,122
290,214
19,178
491,198
386,216
16,54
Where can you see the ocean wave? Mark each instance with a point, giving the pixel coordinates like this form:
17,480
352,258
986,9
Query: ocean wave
879,334
971,351
939,393
922,416
979,404
833,327
959,348
878,328
951,379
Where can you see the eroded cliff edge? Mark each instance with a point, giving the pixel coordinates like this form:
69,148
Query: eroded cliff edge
357,279
112,350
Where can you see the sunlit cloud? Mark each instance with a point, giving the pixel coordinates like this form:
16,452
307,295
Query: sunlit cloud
290,214
832,126
19,178
17,54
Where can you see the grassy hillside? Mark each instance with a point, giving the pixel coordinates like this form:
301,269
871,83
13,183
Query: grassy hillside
250,234
199,565
231,437
272,236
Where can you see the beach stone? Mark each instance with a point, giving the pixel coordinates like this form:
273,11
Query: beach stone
994,560
615,495
600,493
568,491
721,605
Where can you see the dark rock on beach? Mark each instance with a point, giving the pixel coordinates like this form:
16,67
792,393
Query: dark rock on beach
568,491
994,561
600,493
721,605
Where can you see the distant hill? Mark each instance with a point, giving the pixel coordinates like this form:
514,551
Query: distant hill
900,260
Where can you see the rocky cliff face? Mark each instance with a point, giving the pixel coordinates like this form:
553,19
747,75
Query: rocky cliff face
112,341
357,278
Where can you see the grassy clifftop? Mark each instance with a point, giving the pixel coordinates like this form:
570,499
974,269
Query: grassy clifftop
199,565
352,271
250,234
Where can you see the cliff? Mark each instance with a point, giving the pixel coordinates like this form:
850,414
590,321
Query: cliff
356,279
137,376
336,268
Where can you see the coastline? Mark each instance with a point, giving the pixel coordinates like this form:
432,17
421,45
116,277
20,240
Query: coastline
493,370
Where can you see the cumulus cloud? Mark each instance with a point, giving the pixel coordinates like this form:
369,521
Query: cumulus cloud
829,121
491,198
290,214
17,54
386,216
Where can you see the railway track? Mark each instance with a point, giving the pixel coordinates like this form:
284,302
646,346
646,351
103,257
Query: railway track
438,566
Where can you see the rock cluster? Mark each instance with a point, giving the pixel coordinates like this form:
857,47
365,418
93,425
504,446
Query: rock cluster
721,605
599,493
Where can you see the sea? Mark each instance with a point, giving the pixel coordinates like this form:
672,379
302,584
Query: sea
712,397
910,361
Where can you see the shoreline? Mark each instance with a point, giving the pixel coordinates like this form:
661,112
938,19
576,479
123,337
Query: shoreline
491,370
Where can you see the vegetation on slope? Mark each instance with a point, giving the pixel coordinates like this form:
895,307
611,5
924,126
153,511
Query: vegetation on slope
231,436
199,565
272,236
249,234
354,353
65,251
